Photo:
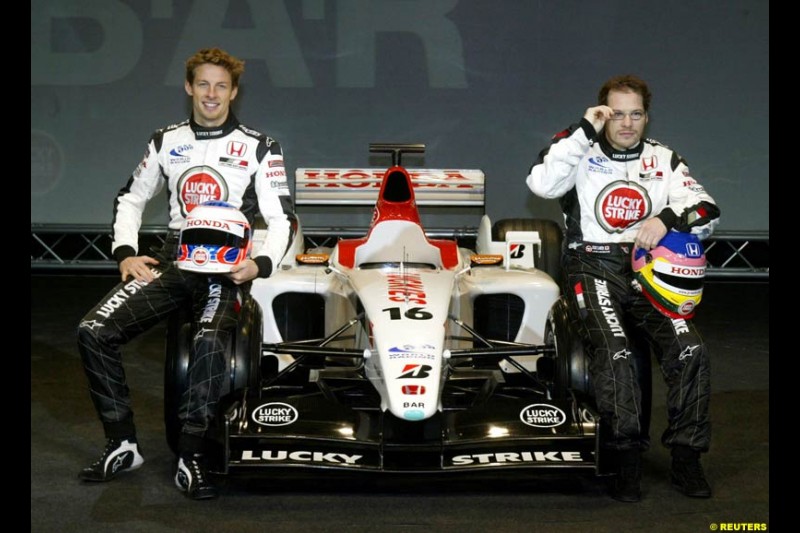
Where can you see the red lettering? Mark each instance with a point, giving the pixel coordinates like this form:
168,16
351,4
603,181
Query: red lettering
329,175
208,223
409,287
687,271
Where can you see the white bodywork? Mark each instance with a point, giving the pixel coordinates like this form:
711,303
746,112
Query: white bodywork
410,295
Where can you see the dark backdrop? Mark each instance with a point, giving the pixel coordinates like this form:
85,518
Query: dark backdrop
484,83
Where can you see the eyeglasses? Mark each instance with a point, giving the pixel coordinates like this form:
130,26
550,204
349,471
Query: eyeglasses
635,115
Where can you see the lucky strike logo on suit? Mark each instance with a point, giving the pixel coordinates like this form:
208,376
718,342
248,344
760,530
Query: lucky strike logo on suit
198,185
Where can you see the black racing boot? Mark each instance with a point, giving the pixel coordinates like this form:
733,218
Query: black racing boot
626,485
192,478
687,473
119,456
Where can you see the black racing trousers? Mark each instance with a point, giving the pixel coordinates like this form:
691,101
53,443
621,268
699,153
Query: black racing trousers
600,289
133,307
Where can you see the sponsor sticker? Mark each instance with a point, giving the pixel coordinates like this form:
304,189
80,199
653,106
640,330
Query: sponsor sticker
180,151
485,259
200,256
680,326
516,250
649,164
414,414
688,352
254,133
312,259
412,351
212,304
517,458
415,372
597,165
598,249
693,249
275,414
208,133
406,288
237,148
579,295
604,299
542,415
121,296
198,185
232,162
620,205
301,456
652,176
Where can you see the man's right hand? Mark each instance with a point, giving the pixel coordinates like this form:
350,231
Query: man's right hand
598,116
138,268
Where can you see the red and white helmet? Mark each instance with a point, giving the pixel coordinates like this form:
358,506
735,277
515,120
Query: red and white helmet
214,237
671,274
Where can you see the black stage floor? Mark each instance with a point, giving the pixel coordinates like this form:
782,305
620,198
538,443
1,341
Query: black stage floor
65,436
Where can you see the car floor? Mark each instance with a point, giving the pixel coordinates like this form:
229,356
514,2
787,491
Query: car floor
66,436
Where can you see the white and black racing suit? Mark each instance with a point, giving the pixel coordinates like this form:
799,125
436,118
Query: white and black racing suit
231,163
606,195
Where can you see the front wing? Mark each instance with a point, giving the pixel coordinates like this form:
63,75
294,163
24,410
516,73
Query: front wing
501,433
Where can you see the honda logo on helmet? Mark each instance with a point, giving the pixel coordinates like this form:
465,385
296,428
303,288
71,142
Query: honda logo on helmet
209,223
695,272
692,249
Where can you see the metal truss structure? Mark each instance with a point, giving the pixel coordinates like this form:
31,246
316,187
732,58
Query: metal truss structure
57,247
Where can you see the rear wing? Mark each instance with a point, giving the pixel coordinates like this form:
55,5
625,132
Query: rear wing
360,186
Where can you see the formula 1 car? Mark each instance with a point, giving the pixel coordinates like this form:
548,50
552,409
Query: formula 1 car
398,352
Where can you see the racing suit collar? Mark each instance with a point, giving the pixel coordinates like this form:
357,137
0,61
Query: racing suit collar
201,133
620,155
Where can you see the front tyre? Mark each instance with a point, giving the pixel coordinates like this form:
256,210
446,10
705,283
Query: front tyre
243,357
571,363
176,372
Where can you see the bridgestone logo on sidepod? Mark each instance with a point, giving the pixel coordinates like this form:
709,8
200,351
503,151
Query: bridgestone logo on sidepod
275,414
542,415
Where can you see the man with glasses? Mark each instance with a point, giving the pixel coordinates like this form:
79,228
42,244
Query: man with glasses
619,191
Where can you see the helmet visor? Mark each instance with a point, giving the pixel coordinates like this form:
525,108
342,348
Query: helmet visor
684,279
679,282
213,237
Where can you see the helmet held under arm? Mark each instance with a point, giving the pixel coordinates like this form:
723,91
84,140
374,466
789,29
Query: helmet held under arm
214,237
671,274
